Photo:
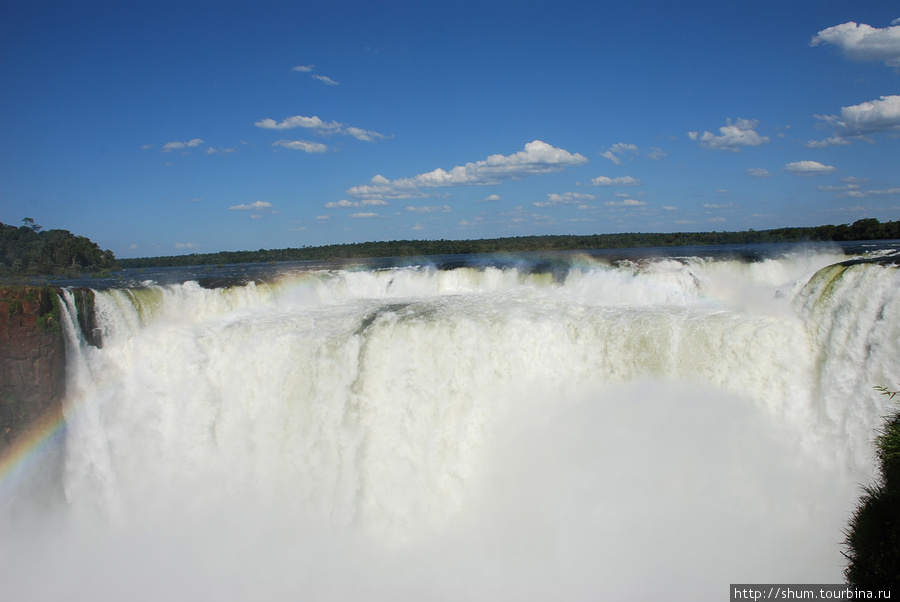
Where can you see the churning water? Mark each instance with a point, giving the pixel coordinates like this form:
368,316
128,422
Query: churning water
599,430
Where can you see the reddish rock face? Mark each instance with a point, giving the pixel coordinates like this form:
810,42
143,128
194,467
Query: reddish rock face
32,360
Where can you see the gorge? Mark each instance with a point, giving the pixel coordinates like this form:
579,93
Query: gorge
506,427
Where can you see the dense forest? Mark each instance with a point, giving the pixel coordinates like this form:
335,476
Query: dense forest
864,229
29,250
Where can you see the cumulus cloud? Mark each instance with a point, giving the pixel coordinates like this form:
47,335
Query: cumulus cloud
341,203
344,203
491,198
185,245
832,141
616,151
733,136
299,121
809,168
170,146
319,127
255,206
567,198
303,145
626,203
759,172
882,115
364,215
607,181
304,68
537,158
863,42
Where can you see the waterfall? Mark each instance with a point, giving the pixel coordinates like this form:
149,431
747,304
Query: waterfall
603,430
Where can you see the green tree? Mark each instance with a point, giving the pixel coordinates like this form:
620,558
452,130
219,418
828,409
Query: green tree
873,536
29,250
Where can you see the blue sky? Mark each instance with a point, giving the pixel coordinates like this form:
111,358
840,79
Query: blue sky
161,128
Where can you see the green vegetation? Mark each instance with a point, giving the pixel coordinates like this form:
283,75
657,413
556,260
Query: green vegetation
45,297
865,229
29,250
873,538
48,318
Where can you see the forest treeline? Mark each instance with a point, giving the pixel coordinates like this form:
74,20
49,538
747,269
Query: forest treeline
29,250
864,229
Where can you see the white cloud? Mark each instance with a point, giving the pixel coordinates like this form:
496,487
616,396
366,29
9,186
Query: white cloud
325,79
320,127
537,158
303,145
616,150
863,42
220,151
299,121
759,172
657,153
255,206
567,198
490,198
304,68
882,115
852,190
833,141
344,203
430,209
341,203
170,146
364,215
809,168
881,192
185,245
626,203
732,136
844,188
361,134
607,181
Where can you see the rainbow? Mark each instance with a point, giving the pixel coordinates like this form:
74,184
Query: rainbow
28,450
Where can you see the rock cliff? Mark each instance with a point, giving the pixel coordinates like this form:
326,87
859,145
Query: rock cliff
32,360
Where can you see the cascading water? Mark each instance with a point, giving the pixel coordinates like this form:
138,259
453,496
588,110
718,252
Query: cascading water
656,427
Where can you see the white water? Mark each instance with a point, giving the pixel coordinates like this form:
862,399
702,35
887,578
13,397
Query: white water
663,428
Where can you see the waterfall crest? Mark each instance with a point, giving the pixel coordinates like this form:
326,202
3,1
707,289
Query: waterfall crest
490,428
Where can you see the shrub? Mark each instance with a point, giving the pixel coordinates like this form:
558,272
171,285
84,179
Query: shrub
873,536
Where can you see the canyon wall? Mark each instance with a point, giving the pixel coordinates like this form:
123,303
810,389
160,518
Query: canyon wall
32,360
